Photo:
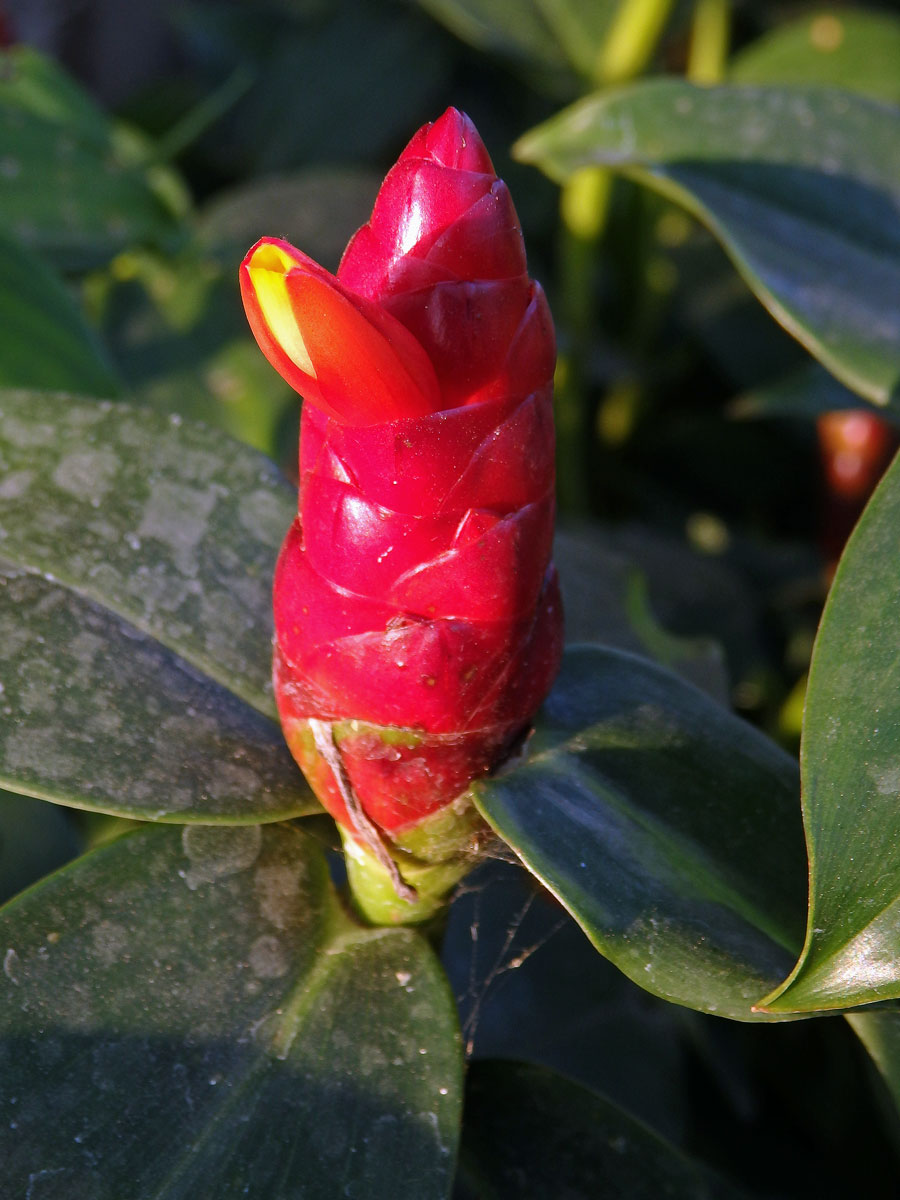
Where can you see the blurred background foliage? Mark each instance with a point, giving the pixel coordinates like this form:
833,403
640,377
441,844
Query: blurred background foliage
145,146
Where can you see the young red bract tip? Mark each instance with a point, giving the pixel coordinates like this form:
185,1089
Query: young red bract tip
417,613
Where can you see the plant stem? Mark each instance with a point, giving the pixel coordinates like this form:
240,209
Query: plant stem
584,211
631,41
708,51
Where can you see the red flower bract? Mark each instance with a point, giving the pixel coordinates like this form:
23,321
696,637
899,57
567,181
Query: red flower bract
417,612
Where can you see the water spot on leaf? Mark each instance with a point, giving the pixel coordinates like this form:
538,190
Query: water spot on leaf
268,959
87,474
216,853
109,941
278,890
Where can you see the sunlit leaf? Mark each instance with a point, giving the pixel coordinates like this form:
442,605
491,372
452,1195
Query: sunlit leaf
669,829
850,760
96,715
170,525
801,185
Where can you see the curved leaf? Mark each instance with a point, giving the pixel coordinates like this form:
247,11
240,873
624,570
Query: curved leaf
45,342
850,761
189,1014
171,525
800,184
531,1133
854,50
96,715
665,825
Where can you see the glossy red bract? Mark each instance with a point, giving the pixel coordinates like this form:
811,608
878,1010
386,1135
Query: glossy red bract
415,591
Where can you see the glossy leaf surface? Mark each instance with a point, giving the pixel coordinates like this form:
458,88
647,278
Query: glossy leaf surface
96,715
283,1053
170,525
801,185
73,184
666,826
532,1134
850,760
45,342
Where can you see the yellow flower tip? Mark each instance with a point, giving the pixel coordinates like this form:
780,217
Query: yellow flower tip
267,267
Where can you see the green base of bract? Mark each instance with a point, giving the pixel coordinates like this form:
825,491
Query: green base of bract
376,897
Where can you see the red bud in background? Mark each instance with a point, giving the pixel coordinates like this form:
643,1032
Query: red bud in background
417,613
856,447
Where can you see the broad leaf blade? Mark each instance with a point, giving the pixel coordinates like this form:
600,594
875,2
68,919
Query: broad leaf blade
99,716
170,525
188,1014
45,342
666,826
531,1133
800,184
850,761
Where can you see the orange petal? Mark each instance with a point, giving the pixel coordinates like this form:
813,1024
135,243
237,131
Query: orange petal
343,353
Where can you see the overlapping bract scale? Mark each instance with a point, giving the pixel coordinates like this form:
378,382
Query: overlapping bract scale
415,591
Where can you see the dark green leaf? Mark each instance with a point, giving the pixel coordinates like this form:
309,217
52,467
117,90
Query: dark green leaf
801,185
73,185
318,209
879,1032
667,827
189,1014
97,715
168,524
334,82
506,27
806,393
606,599
532,1134
859,51
45,342
35,839
850,761
531,987
551,34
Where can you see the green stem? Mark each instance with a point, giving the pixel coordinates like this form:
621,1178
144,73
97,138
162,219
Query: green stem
631,41
710,34
374,891
584,212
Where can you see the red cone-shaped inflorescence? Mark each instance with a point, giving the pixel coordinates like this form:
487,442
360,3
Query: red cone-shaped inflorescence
417,614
